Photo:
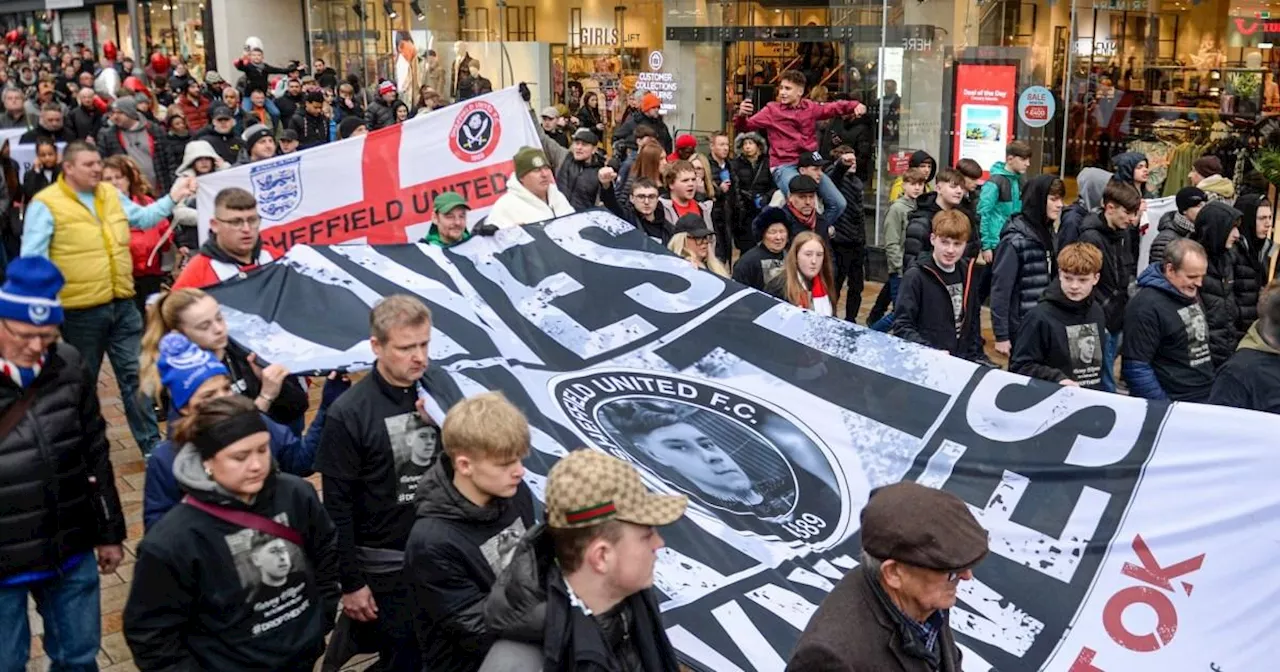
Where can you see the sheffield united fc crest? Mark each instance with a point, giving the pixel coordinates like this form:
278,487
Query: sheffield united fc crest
476,132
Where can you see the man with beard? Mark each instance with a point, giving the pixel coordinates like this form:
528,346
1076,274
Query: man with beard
1166,344
194,105
1060,338
892,612
290,101
234,246
132,135
50,127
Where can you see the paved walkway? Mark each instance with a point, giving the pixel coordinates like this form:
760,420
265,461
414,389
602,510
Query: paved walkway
130,473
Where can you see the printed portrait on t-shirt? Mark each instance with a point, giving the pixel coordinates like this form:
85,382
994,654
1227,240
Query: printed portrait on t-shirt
273,572
1085,345
1193,320
770,268
497,549
413,447
957,302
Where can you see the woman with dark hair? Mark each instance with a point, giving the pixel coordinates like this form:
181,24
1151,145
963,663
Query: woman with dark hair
806,275
589,115
148,248
401,110
243,574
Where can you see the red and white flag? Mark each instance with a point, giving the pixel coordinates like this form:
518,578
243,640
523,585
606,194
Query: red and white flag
379,188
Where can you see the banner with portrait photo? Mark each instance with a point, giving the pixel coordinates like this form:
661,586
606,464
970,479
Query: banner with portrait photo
379,188
1121,531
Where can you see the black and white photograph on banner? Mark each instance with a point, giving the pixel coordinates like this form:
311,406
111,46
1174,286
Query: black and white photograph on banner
413,446
729,455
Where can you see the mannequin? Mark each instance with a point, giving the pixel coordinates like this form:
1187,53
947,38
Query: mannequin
461,67
409,76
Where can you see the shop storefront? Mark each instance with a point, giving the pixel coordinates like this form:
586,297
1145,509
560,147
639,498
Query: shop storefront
1080,81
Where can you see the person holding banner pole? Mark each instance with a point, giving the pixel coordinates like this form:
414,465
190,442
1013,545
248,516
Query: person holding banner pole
82,223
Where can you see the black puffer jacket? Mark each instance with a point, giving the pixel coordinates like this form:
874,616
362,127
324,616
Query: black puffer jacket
1024,264
627,130
453,555
1118,269
851,228
379,115
49,510
1173,225
579,181
917,247
1217,293
752,188
111,143
530,603
1249,268
227,146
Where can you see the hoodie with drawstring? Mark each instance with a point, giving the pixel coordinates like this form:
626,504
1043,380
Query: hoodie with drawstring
1214,225
1251,378
519,206
454,554
1024,263
1252,259
1091,182
202,601
1061,339
1166,342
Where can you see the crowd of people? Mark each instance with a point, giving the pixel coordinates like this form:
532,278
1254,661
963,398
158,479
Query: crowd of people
427,544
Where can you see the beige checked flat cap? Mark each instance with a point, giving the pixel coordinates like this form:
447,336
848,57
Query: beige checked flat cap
587,488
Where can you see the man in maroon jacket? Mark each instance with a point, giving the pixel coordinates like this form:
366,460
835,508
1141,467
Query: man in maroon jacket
790,124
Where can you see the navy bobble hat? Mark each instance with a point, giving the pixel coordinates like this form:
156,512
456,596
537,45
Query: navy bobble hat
30,292
184,367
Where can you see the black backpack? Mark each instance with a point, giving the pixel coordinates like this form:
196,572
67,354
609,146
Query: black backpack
1004,186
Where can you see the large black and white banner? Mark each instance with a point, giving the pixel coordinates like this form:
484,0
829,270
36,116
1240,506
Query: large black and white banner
1125,535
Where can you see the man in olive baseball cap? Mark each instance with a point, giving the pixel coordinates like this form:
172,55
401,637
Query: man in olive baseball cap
449,226
918,544
599,604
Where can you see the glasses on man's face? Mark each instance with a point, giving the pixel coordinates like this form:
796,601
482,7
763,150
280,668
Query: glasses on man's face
645,197
242,222
41,338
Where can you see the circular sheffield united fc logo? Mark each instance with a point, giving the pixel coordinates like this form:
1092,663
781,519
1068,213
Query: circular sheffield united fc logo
750,465
476,132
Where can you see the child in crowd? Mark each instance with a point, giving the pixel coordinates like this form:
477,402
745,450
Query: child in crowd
938,303
1061,338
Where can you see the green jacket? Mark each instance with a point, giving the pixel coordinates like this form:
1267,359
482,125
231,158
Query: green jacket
993,212
433,238
895,232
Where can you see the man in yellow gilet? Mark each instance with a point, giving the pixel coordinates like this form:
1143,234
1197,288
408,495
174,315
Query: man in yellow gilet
82,225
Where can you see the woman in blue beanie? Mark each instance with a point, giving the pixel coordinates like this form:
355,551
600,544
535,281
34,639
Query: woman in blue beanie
192,377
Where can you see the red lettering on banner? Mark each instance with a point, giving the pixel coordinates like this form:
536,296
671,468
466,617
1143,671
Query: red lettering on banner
1166,619
1084,662
387,208
1151,572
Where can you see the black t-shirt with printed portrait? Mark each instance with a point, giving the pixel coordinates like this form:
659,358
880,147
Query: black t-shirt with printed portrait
374,450
954,281
1170,332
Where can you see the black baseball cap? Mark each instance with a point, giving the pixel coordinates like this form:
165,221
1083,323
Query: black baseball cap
802,184
221,112
288,134
812,160
693,226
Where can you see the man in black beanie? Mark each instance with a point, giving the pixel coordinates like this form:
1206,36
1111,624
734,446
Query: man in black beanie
918,543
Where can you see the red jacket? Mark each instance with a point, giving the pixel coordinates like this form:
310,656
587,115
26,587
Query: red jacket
212,266
792,131
145,246
197,114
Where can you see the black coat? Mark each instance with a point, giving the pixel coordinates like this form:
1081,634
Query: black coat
579,181
858,628
1251,378
111,143
783,214
84,124
924,313
1023,264
722,211
1217,292
1112,291
753,188
192,608
860,134
1173,225
1250,266
917,246
659,229
530,603
227,146
379,115
757,266
34,182
851,228
1061,339
312,131
174,147
289,105
63,134
627,130
291,406
453,555
49,511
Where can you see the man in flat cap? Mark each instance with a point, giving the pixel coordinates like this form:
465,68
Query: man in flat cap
892,611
